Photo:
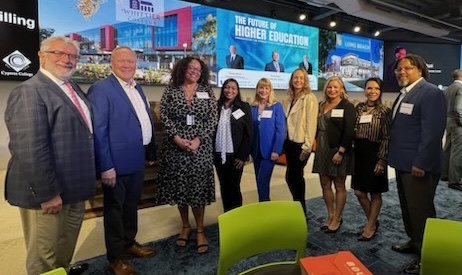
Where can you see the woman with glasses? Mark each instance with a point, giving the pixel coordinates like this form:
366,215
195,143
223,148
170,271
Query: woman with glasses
232,142
333,160
188,111
372,134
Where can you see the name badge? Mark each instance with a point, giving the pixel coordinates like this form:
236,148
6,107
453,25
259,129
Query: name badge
266,114
365,119
337,113
406,108
189,120
238,114
202,95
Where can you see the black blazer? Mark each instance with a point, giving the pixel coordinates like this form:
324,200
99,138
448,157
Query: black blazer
340,130
241,130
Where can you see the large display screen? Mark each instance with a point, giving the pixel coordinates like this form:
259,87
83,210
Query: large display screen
233,44
441,60
263,47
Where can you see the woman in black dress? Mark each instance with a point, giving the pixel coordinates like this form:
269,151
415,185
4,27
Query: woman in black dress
333,159
372,133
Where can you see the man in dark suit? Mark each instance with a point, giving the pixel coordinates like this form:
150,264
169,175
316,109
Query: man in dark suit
123,142
51,171
418,123
306,65
233,60
274,65
453,145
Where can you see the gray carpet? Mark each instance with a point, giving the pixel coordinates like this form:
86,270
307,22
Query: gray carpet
375,255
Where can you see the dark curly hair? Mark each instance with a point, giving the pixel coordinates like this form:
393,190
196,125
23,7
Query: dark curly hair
180,68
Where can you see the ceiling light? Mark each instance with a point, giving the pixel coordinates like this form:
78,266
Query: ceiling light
357,29
332,23
302,16
376,33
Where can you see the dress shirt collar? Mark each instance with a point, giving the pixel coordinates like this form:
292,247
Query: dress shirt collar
125,84
410,86
56,80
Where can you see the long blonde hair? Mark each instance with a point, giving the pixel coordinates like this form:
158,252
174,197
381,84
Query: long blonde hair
306,87
271,99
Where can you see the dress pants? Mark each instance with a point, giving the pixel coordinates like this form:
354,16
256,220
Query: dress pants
263,171
121,213
230,181
294,171
454,160
416,199
51,238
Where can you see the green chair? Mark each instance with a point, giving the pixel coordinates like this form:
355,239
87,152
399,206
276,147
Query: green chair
262,227
57,271
441,247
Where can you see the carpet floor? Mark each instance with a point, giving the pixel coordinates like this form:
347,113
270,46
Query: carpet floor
376,255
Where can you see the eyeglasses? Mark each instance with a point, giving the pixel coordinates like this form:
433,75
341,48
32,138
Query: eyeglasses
407,69
194,69
60,55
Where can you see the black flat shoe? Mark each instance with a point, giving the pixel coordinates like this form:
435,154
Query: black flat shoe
330,231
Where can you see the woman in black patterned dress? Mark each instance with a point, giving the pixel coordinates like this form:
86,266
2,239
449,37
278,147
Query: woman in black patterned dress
372,133
188,111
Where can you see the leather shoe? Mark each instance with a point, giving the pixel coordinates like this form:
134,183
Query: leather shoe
413,268
78,269
140,251
121,267
456,186
406,248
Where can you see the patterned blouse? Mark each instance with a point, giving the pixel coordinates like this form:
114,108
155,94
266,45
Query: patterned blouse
373,124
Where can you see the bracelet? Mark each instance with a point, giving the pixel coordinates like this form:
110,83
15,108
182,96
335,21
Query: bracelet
341,153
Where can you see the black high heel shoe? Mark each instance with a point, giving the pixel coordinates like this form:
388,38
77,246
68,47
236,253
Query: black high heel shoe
377,224
363,238
330,231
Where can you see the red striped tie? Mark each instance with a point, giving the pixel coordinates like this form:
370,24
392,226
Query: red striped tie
76,102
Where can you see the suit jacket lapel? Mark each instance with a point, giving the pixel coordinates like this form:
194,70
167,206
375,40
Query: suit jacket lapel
54,88
121,92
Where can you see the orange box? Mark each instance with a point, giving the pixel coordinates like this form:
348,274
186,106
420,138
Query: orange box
341,263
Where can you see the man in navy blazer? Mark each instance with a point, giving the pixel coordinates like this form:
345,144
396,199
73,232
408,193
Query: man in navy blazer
52,170
233,60
418,123
123,142
274,65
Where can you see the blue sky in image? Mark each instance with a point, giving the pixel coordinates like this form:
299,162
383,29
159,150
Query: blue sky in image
64,17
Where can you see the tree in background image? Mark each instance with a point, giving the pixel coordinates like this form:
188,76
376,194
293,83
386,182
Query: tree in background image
326,44
204,40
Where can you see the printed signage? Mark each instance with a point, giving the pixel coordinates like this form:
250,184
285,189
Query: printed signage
20,39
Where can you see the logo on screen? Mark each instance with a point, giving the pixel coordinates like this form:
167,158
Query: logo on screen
16,61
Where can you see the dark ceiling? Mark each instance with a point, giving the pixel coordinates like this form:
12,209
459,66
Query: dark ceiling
431,21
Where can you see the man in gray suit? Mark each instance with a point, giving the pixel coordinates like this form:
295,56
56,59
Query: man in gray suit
453,146
52,167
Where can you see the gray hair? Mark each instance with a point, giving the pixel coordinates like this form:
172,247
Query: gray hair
46,44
